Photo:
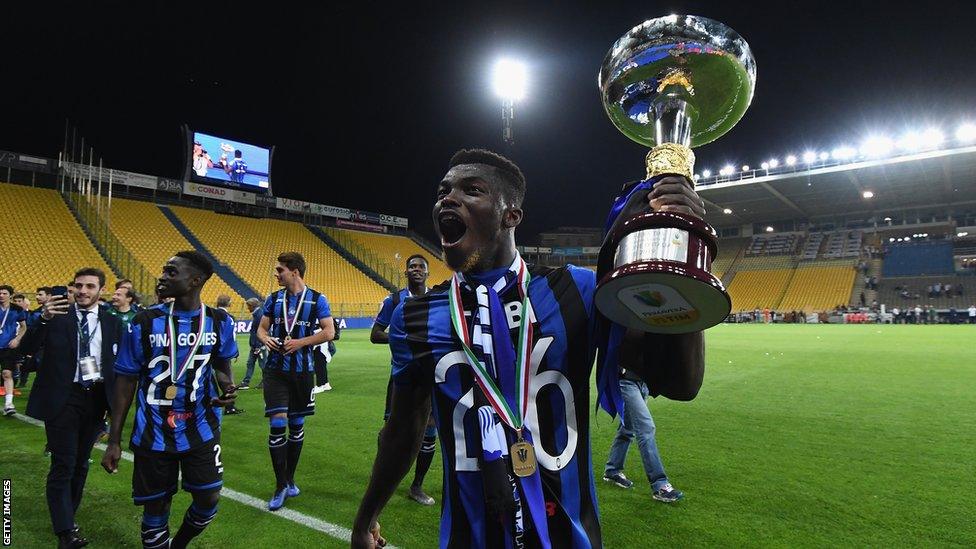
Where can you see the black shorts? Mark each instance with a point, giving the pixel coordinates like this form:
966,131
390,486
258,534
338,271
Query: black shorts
8,359
156,474
291,393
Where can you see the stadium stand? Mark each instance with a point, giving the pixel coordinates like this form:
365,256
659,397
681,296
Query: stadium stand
843,244
773,244
758,289
152,239
249,247
394,251
890,292
918,259
819,285
37,220
729,250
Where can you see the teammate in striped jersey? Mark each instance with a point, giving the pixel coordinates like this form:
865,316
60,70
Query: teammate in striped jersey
288,329
169,360
508,350
416,273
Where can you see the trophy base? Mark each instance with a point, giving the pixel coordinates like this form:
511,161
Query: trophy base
662,297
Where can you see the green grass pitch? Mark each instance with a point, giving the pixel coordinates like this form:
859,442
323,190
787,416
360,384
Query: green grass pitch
802,435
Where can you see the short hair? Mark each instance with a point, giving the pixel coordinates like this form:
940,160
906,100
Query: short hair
237,153
91,271
417,256
294,261
253,302
10,289
199,262
223,300
45,289
120,282
511,174
18,296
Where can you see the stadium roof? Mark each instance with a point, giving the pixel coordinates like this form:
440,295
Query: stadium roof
939,179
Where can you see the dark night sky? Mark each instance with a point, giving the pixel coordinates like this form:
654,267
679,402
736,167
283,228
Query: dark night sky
366,102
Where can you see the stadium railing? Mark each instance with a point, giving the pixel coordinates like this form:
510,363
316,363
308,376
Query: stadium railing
116,254
394,276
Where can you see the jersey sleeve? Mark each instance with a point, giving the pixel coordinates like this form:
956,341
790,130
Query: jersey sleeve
406,366
130,357
585,281
228,343
322,305
269,306
385,315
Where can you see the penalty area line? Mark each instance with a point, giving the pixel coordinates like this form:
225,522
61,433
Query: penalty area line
333,530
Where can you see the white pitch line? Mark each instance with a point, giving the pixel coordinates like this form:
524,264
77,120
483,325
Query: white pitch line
339,532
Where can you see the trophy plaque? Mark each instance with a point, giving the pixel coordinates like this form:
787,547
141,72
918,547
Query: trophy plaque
670,83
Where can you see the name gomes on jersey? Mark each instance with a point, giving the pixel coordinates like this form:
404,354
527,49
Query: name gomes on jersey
183,340
537,381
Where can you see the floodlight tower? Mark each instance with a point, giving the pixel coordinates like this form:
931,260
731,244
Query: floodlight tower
509,78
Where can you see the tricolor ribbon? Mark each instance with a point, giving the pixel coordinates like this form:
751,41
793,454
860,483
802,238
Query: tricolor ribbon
174,372
513,417
298,309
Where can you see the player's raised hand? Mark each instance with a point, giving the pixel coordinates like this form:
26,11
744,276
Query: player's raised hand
110,461
57,305
675,194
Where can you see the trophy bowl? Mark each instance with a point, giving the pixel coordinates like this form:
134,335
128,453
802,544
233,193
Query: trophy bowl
670,83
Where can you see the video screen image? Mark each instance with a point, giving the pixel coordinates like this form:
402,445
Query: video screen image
222,160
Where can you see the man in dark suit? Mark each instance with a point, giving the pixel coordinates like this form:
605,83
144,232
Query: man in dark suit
71,392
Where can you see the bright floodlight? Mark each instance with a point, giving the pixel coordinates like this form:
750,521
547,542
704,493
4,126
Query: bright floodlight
729,169
773,163
868,194
510,79
824,156
809,157
877,146
843,153
706,173
932,138
791,160
769,229
745,168
727,211
966,133
764,165
911,141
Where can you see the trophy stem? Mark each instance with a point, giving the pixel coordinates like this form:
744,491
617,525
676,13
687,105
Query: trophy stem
672,123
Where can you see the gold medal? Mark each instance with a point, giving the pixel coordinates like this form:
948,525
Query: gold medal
523,459
287,337
171,394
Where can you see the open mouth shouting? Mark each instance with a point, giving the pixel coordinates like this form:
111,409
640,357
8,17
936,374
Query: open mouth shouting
451,228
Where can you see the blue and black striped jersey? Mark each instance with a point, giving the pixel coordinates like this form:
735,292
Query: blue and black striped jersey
188,420
314,309
425,347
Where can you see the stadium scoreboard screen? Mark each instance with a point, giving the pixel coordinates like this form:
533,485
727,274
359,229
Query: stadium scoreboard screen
221,161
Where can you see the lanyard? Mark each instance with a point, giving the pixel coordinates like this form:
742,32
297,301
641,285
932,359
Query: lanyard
3,323
298,309
511,417
174,372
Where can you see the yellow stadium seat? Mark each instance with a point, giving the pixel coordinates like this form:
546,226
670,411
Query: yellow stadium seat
758,289
249,247
43,244
819,286
394,251
152,239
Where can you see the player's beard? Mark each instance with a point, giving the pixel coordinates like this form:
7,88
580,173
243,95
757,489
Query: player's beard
468,264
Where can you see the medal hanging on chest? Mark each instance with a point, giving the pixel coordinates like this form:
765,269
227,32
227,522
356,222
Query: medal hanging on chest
177,373
289,326
522,453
